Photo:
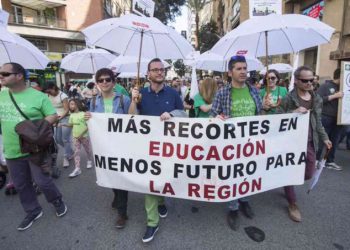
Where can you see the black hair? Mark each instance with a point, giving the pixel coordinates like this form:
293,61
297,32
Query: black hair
152,61
234,60
18,68
297,72
104,71
336,74
272,71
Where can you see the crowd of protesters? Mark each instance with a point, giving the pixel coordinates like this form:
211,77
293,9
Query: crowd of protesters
69,109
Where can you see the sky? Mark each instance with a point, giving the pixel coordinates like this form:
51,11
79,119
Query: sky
181,21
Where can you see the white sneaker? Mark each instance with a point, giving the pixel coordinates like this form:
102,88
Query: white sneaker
89,164
65,162
334,166
75,173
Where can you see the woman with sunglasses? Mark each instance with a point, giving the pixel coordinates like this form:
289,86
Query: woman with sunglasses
273,100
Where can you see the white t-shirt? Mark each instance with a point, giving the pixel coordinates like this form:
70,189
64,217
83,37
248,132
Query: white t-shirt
57,102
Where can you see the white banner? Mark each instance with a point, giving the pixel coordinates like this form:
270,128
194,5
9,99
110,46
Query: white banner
344,103
264,7
199,159
143,7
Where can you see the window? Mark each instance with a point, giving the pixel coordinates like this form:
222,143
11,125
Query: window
69,47
40,44
18,14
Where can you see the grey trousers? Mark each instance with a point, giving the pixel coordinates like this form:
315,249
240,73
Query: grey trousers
23,173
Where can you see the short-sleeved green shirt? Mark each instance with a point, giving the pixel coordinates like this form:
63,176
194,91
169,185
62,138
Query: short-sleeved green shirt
199,101
242,102
278,92
120,89
35,104
108,104
79,124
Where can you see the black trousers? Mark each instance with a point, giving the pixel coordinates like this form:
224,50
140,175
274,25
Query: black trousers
120,201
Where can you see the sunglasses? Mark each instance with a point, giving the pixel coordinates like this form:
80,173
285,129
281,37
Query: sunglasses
6,74
272,78
306,80
101,80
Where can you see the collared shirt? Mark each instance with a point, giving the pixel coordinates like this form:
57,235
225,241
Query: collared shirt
222,103
118,106
155,104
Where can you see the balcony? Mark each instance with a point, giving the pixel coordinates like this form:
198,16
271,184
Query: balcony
37,21
40,4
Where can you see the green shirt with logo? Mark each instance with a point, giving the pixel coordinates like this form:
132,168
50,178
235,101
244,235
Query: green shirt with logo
278,93
242,102
36,105
79,124
108,104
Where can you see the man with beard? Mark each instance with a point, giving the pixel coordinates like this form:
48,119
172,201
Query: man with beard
156,100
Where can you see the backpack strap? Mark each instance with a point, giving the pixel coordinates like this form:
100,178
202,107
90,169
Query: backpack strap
121,102
18,109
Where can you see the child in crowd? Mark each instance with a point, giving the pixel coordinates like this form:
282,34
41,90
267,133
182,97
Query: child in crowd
80,135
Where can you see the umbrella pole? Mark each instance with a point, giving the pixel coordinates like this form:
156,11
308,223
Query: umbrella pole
267,63
139,62
92,63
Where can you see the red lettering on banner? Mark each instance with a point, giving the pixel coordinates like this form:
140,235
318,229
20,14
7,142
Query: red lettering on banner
151,187
193,189
224,192
193,153
168,149
209,192
213,153
168,189
152,147
225,154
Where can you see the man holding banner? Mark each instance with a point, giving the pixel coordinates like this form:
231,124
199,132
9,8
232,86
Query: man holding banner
301,100
236,100
156,100
110,101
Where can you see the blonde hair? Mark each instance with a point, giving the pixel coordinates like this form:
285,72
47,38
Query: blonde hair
208,90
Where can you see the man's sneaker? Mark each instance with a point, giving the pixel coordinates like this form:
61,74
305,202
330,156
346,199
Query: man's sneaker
28,220
246,209
294,212
233,219
65,162
61,208
163,211
149,235
75,173
89,164
121,221
334,166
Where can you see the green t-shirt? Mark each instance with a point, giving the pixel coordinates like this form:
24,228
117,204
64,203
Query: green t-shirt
242,102
278,92
199,101
79,124
108,104
35,104
120,89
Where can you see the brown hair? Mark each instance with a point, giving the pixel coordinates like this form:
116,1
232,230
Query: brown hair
208,89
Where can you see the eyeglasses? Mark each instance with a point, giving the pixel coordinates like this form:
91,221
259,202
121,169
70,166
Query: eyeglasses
6,74
272,78
306,80
101,80
157,70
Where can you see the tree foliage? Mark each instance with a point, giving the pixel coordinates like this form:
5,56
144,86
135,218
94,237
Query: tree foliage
180,68
208,35
166,11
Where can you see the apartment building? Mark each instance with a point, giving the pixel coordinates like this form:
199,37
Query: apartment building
54,26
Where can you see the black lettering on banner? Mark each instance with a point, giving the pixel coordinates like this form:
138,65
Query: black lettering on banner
155,167
302,158
178,169
229,129
196,171
290,159
139,164
288,124
266,127
253,128
100,162
112,162
145,125
209,168
126,165
242,126
131,126
216,131
115,125
169,128
183,129
193,130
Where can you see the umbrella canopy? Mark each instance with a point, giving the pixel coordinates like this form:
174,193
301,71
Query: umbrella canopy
123,64
131,75
87,61
280,67
272,35
132,35
14,48
212,61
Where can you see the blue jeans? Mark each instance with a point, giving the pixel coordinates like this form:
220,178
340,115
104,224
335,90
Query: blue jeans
63,137
334,132
346,134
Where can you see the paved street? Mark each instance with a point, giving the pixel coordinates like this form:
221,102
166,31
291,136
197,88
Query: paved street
89,223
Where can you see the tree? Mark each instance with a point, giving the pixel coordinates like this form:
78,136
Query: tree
208,35
166,11
196,6
179,68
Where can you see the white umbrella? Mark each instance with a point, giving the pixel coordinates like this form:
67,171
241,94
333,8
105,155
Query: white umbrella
130,63
272,35
280,67
319,167
14,48
211,61
87,61
143,37
130,75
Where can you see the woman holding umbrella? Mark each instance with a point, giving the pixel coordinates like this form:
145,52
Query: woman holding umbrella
273,99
